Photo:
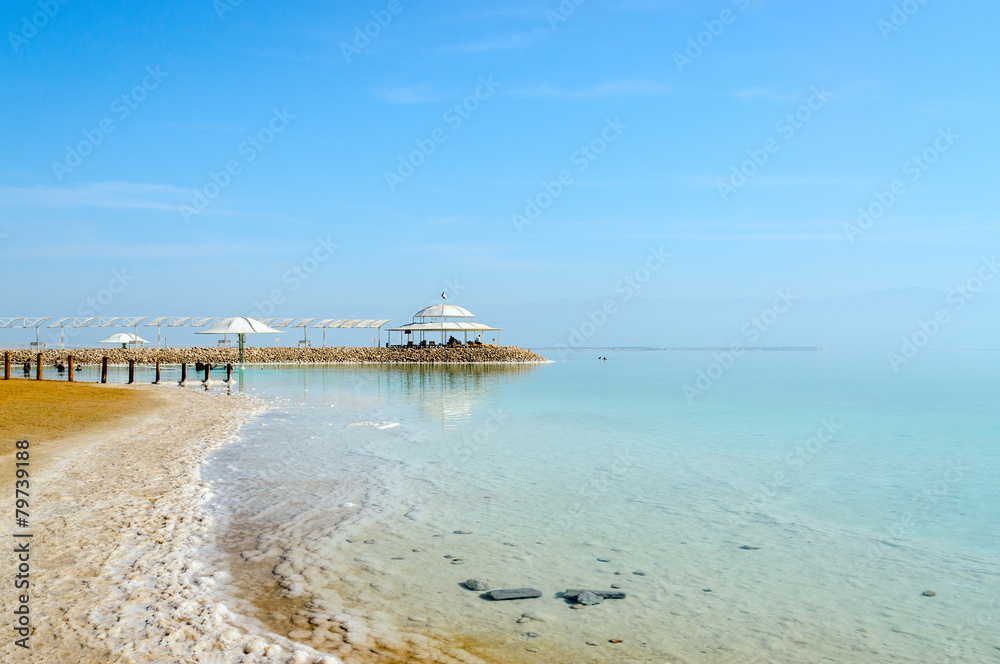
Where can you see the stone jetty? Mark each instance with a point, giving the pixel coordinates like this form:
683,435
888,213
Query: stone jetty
328,355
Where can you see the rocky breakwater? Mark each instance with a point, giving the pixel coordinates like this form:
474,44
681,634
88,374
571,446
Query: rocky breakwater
329,355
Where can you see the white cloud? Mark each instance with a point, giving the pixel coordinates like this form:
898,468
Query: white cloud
413,94
509,42
123,195
608,89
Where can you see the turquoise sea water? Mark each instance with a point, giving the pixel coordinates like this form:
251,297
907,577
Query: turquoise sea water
861,487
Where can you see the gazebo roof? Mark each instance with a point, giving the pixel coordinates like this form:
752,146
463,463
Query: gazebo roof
444,311
444,326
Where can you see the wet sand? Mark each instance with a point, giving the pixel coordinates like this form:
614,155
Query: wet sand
117,523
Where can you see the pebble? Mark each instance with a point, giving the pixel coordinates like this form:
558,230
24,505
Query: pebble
463,532
576,606
591,643
369,541
616,585
523,620
416,550
604,560
614,641
514,593
420,619
531,635
588,598
398,558
479,585
573,593
639,573
458,561
706,590
750,548
928,593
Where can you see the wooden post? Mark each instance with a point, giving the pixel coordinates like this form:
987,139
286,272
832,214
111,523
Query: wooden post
229,373
157,381
104,369
184,372
38,369
131,371
70,361
6,365
207,368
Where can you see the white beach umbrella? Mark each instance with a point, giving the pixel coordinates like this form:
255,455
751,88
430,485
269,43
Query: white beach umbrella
240,326
123,338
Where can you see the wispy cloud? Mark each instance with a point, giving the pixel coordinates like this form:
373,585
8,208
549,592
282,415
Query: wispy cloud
751,94
608,89
712,181
123,195
195,126
506,43
412,94
168,252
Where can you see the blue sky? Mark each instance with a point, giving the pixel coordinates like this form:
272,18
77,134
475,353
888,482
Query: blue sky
310,120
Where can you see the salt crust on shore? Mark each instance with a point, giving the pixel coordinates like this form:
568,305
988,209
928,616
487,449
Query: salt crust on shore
118,520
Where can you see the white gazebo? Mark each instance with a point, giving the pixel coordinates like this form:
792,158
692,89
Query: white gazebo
440,319
124,339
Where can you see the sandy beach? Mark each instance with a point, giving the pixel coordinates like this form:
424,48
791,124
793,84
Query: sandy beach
117,520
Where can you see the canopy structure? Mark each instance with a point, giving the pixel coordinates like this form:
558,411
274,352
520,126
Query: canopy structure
443,320
123,338
241,327
443,312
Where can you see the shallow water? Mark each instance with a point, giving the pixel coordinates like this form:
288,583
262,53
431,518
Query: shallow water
862,488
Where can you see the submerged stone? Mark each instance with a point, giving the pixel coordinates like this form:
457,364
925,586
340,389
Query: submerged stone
514,593
603,594
479,585
588,598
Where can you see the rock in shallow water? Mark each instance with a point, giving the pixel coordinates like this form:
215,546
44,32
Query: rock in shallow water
479,585
514,593
588,598
603,594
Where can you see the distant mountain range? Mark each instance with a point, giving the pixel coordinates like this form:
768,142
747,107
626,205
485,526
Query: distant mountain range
878,320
